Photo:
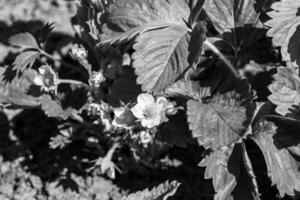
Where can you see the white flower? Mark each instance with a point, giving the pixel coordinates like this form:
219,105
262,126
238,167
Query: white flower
167,105
149,112
97,78
78,52
47,79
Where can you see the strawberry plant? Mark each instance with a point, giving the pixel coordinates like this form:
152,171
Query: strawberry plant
144,70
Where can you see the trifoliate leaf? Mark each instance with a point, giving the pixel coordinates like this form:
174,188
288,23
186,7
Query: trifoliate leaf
282,165
284,28
25,60
53,108
20,91
24,40
161,41
161,192
285,90
230,172
222,121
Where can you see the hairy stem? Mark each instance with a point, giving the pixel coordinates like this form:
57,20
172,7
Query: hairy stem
212,47
75,82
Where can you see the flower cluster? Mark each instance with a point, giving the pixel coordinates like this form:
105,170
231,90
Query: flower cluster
151,112
47,79
78,52
97,78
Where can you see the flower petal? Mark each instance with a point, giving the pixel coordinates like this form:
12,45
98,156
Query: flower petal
145,99
138,111
38,80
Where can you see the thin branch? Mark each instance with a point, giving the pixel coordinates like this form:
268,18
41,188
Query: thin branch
212,47
74,82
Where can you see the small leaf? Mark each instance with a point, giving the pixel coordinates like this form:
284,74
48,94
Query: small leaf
283,166
45,31
53,109
285,90
161,192
231,174
20,91
25,60
24,40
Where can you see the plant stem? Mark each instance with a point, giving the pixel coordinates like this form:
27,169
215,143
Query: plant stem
75,82
222,57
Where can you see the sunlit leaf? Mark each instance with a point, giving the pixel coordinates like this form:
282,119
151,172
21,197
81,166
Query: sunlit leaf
230,172
285,90
222,121
230,14
161,38
282,164
24,40
284,28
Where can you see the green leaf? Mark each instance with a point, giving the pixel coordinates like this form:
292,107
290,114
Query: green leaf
160,57
53,108
282,164
188,88
24,40
222,121
25,60
228,15
231,173
285,90
161,38
127,18
238,22
284,28
198,36
19,92
161,192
